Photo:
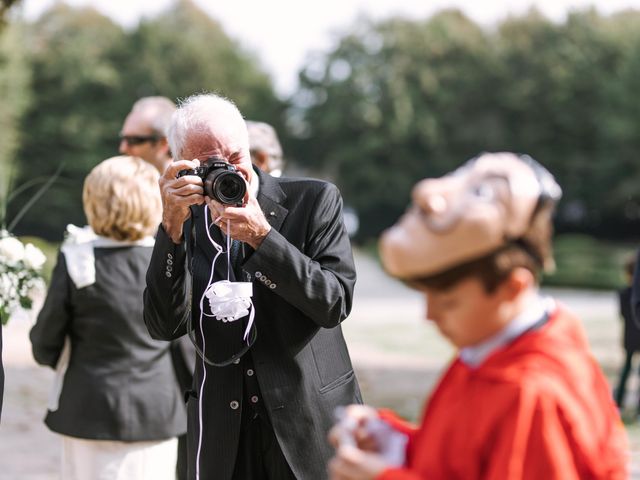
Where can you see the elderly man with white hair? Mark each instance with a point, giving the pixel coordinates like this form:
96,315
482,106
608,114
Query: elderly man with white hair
259,272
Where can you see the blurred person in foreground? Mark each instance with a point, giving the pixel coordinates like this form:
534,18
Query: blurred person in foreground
524,398
635,292
273,362
144,130
265,149
144,134
631,335
115,401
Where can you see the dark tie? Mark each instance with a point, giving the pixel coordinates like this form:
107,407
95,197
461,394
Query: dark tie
236,259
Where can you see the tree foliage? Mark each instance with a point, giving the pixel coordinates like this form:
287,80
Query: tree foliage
396,100
75,112
183,51
5,6
14,77
399,100
86,73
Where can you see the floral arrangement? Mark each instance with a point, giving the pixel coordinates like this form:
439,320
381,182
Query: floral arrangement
20,276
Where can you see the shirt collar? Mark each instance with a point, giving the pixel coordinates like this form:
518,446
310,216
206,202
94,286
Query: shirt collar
254,186
538,309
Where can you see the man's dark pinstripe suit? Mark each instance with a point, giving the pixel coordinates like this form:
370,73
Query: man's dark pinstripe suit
303,276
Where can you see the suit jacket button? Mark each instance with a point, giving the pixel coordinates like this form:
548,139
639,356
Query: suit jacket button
250,372
258,274
169,256
254,399
272,286
234,405
168,274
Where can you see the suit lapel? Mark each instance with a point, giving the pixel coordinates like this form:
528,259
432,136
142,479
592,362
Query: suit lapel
271,197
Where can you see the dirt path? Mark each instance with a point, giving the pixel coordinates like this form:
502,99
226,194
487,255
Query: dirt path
396,354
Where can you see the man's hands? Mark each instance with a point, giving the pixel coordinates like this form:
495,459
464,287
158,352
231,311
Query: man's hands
247,224
178,194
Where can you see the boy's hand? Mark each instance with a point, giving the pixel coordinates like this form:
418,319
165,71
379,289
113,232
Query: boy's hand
353,427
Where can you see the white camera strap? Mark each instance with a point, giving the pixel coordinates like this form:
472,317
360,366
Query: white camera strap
228,301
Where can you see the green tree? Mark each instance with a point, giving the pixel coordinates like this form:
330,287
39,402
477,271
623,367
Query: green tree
75,112
399,100
184,51
5,7
14,90
619,195
557,81
87,72
386,107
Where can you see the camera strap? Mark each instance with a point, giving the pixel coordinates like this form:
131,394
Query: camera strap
228,301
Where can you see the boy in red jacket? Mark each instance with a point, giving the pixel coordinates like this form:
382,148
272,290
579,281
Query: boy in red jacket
524,397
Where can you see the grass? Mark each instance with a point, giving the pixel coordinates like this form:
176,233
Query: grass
585,262
581,262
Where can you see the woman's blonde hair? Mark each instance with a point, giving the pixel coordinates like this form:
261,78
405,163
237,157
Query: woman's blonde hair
121,198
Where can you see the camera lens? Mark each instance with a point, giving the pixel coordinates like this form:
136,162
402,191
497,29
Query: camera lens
229,187
225,186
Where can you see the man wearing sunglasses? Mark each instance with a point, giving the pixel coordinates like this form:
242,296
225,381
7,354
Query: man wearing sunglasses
143,132
144,135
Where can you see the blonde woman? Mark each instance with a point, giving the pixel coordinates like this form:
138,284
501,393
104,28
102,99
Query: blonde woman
117,403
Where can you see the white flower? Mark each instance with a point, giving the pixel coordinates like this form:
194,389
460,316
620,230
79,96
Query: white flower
5,286
33,257
11,249
19,275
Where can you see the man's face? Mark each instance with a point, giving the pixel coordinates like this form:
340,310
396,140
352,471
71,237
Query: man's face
465,313
138,140
228,145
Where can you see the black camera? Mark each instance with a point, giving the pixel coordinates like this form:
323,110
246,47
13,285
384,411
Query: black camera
222,182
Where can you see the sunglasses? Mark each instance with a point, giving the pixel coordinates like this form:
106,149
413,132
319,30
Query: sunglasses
138,139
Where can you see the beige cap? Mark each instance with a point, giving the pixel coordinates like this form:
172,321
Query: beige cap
467,214
263,137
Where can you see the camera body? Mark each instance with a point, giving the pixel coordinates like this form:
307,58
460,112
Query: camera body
221,180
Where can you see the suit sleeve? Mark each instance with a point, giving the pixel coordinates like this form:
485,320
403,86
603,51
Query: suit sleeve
48,333
319,281
166,296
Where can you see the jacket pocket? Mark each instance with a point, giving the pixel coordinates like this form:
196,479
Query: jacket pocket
341,380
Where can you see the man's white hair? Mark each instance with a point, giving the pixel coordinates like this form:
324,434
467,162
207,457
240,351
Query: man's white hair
205,115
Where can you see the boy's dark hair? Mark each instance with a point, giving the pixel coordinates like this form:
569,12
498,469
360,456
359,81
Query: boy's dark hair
532,251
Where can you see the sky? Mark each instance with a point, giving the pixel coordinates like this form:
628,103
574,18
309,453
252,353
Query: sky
284,32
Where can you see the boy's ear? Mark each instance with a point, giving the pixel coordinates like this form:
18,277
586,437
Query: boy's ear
518,281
